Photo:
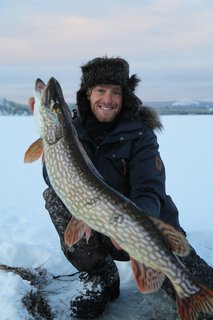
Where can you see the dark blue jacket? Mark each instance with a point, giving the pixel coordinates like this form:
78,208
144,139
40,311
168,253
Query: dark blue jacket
128,159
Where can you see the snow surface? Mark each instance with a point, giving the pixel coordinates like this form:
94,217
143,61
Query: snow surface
28,238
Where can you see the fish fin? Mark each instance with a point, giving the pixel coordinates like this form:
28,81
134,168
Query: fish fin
117,246
175,239
87,232
34,152
148,279
201,303
75,230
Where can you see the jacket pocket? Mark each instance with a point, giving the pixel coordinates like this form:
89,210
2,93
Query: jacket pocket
118,155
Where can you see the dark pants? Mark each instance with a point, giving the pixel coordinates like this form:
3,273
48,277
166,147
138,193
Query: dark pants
85,256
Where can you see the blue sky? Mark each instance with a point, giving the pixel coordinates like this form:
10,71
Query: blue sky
168,43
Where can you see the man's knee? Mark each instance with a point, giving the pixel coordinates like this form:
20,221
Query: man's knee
59,214
86,255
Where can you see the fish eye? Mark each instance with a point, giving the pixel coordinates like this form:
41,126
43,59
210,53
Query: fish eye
56,107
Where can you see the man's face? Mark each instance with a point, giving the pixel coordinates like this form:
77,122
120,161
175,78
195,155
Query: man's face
105,102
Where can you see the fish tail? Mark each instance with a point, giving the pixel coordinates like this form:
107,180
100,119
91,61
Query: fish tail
200,303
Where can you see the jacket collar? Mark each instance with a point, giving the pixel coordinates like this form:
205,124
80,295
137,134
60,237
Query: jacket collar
126,129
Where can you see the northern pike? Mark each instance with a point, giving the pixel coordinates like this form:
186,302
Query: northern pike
153,246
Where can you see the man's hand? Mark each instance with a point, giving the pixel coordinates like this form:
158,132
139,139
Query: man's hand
31,103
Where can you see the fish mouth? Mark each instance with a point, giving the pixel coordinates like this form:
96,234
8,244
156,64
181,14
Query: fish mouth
51,93
53,99
39,85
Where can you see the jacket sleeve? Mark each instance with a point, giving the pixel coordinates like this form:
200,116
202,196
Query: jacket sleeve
147,173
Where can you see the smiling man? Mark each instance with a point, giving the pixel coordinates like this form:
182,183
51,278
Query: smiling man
105,102
118,134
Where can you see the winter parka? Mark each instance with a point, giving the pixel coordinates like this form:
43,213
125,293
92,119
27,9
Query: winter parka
128,159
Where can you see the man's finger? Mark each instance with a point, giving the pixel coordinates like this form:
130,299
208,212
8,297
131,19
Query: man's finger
31,103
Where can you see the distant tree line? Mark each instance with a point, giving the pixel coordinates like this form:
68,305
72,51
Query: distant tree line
164,108
13,108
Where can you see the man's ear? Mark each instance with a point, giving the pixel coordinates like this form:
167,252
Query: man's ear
88,93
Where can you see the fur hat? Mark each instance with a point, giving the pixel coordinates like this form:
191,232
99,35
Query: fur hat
104,70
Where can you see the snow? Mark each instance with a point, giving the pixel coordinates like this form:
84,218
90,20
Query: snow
28,238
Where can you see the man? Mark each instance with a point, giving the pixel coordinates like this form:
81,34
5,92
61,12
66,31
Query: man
117,132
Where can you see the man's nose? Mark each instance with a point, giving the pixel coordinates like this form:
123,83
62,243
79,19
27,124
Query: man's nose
107,98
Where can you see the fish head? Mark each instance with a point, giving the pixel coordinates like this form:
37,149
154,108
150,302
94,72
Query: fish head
50,105
39,89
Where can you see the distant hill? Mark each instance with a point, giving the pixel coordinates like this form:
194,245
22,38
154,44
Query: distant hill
8,108
182,107
11,108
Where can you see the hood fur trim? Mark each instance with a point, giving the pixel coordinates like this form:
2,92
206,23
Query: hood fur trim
151,117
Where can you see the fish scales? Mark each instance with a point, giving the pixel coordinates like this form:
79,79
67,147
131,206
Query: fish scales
88,198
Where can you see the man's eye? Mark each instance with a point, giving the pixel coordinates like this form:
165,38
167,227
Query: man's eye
117,93
101,91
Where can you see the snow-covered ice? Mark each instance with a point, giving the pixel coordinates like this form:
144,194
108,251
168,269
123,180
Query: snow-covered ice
28,238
